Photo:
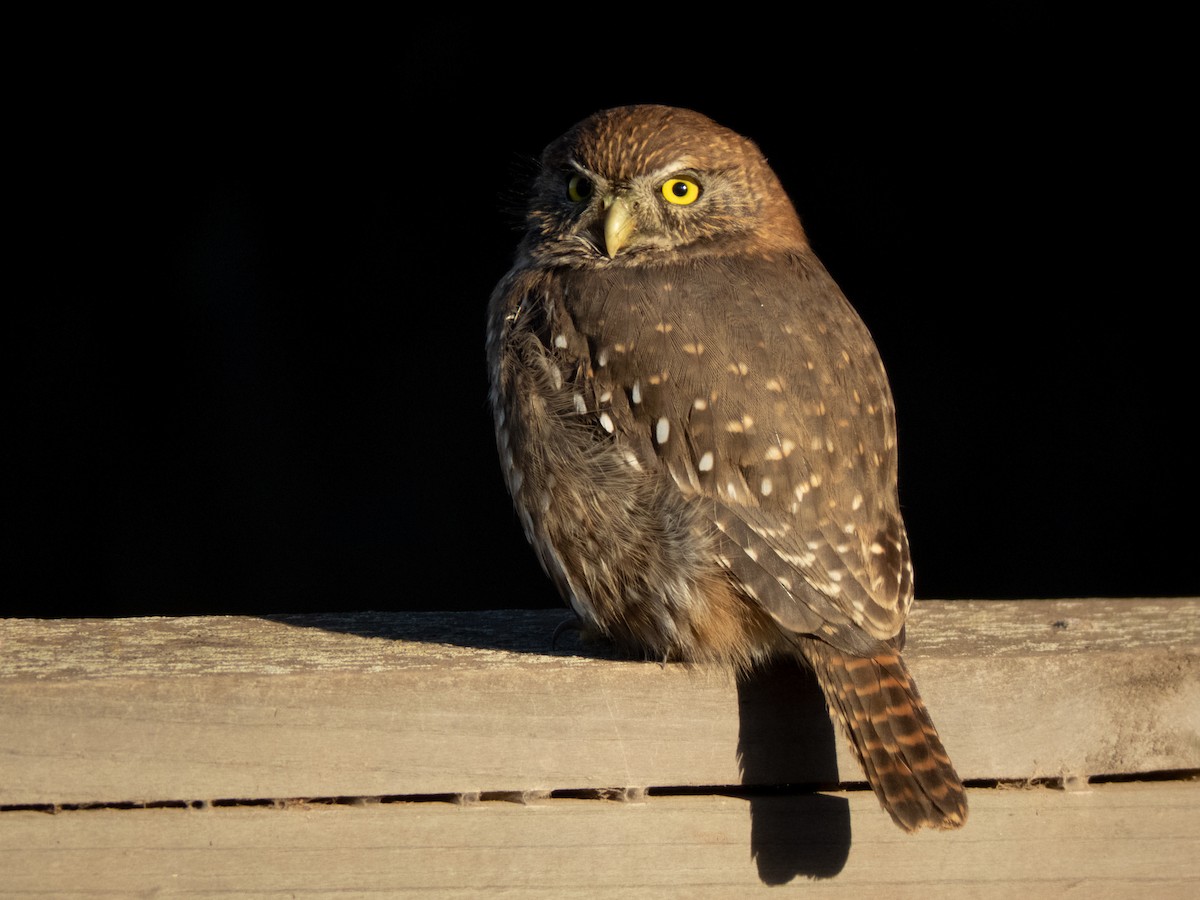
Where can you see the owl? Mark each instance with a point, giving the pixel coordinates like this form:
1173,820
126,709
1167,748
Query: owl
698,434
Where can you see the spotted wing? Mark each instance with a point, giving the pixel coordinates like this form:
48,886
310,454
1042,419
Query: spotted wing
758,389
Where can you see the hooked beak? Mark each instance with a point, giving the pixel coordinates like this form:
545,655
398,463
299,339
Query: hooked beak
619,224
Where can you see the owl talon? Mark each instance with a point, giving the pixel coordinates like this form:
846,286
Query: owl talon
588,637
571,624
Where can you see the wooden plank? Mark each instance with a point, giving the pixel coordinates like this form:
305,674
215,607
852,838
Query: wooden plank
398,704
1114,840
372,641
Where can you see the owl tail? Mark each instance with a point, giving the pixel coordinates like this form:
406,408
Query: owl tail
891,733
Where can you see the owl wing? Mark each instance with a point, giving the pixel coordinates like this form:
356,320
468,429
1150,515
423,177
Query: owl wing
758,390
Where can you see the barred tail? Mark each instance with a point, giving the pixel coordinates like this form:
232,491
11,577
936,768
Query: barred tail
890,731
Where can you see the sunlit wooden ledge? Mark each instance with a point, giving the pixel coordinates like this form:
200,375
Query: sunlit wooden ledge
452,754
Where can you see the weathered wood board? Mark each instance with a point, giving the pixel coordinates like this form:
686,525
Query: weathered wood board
413,726
412,704
1110,841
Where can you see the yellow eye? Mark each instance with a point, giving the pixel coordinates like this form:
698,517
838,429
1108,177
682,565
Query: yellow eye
680,191
579,188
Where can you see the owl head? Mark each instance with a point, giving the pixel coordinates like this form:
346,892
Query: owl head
639,185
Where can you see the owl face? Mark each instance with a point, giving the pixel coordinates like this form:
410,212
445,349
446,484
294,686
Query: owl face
624,190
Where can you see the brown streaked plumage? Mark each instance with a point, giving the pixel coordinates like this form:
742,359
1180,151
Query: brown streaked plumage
698,433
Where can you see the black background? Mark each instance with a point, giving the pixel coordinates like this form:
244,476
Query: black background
248,368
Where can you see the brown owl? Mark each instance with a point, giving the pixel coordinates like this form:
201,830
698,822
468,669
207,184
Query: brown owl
698,434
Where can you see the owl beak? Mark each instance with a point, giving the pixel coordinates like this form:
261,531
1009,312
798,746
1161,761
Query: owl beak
619,224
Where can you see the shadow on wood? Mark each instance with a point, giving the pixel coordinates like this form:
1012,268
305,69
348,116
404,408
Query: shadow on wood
338,740
786,741
785,738
524,631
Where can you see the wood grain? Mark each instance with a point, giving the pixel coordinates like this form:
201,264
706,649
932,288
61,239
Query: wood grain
404,704
380,754
1111,841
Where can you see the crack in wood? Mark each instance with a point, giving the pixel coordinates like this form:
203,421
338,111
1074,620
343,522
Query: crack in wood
612,794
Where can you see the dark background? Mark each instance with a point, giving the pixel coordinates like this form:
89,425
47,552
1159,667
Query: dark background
248,368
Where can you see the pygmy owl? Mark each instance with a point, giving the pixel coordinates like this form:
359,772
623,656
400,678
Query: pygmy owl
698,433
